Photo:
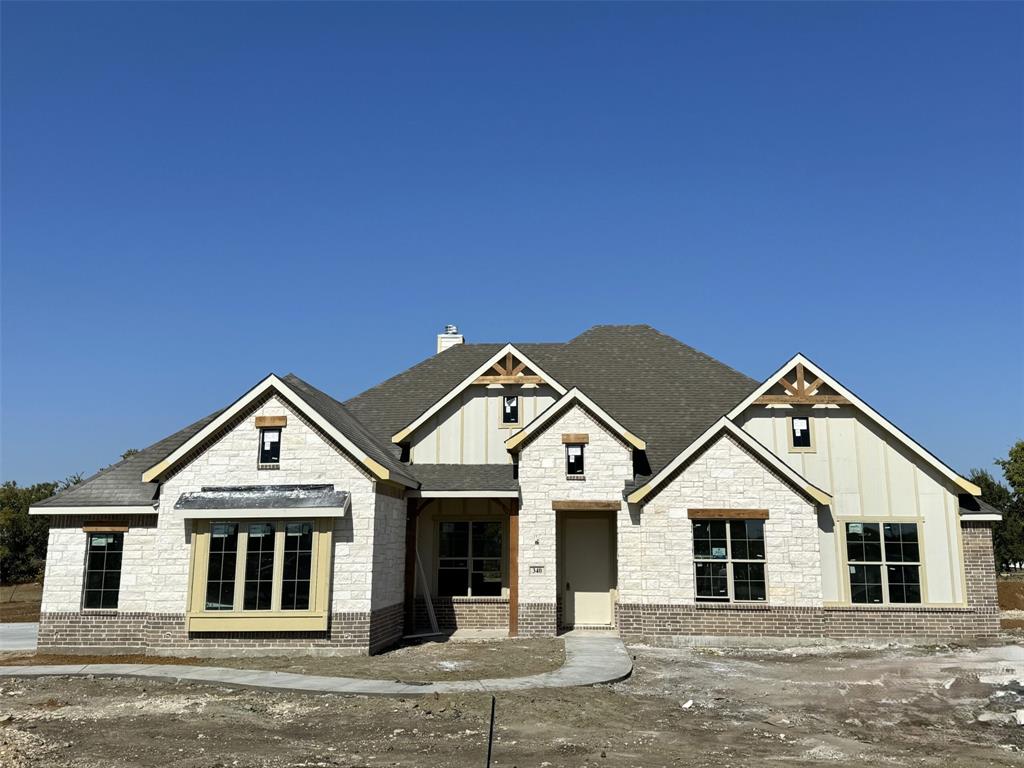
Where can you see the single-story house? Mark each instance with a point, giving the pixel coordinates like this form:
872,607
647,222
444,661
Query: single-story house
619,480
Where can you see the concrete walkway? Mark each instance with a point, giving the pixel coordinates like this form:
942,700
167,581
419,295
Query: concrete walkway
589,660
18,636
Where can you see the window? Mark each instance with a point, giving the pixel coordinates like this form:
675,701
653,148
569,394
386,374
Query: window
800,433
884,562
103,570
574,460
510,410
273,563
220,568
270,447
729,560
469,558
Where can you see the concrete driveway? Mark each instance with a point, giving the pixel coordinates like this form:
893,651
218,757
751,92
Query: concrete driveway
19,636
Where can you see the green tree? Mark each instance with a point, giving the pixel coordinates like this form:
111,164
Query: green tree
1008,498
23,537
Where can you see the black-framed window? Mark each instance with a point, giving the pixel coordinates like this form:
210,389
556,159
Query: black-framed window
800,431
884,562
259,567
574,459
298,562
510,409
103,570
469,558
729,560
220,567
270,445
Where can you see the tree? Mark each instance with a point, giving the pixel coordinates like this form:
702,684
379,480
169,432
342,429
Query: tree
23,537
129,452
1008,498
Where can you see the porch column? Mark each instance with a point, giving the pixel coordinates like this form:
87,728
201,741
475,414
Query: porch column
513,569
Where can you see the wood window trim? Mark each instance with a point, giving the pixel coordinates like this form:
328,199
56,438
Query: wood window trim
579,438
104,527
727,514
813,447
263,422
586,505
197,619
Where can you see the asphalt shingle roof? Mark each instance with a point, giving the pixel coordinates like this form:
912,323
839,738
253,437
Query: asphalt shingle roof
466,477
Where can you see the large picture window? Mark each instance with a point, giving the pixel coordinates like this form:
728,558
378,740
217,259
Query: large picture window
103,570
469,558
884,562
729,560
267,568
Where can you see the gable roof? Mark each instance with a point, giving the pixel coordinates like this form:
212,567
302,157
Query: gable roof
650,383
468,381
721,427
557,407
328,414
819,373
120,484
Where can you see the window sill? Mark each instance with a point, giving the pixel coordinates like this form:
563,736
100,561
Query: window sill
578,478
464,599
268,466
257,621
735,606
896,608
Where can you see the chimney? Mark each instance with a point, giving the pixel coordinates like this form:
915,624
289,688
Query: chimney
449,338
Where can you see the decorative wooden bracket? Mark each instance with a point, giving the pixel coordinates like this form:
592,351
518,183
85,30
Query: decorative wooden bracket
800,392
509,371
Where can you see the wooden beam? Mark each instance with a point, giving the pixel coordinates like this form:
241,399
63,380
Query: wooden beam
727,514
508,363
575,438
490,379
271,421
513,569
800,378
584,505
801,400
813,386
788,387
105,527
518,369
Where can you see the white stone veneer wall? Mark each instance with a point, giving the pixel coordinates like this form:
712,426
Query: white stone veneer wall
608,464
306,457
389,552
656,555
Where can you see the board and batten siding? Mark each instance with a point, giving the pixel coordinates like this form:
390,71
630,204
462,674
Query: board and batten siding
468,430
870,475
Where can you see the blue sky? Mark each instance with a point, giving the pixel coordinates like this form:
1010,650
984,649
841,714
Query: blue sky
194,195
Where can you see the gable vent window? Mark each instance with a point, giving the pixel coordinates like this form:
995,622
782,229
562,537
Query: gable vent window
574,460
270,448
800,437
510,410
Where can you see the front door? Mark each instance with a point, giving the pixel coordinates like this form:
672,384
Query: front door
588,571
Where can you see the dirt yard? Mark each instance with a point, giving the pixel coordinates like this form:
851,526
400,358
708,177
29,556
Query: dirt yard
812,707
20,602
452,660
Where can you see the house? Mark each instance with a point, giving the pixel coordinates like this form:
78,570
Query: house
621,479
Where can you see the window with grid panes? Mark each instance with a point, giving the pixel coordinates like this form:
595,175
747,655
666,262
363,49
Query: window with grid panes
469,558
729,560
883,562
103,570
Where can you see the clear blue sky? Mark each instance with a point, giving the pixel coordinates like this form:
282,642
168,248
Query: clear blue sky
194,195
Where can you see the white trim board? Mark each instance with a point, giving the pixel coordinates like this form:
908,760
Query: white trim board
864,408
104,510
725,425
271,382
454,392
573,395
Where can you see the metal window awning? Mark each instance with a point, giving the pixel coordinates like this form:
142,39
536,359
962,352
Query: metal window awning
242,501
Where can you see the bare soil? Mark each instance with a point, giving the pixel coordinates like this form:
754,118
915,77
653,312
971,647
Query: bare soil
813,707
20,602
450,660
1011,592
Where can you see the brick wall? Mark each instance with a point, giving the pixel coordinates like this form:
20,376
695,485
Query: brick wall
538,619
980,618
455,613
